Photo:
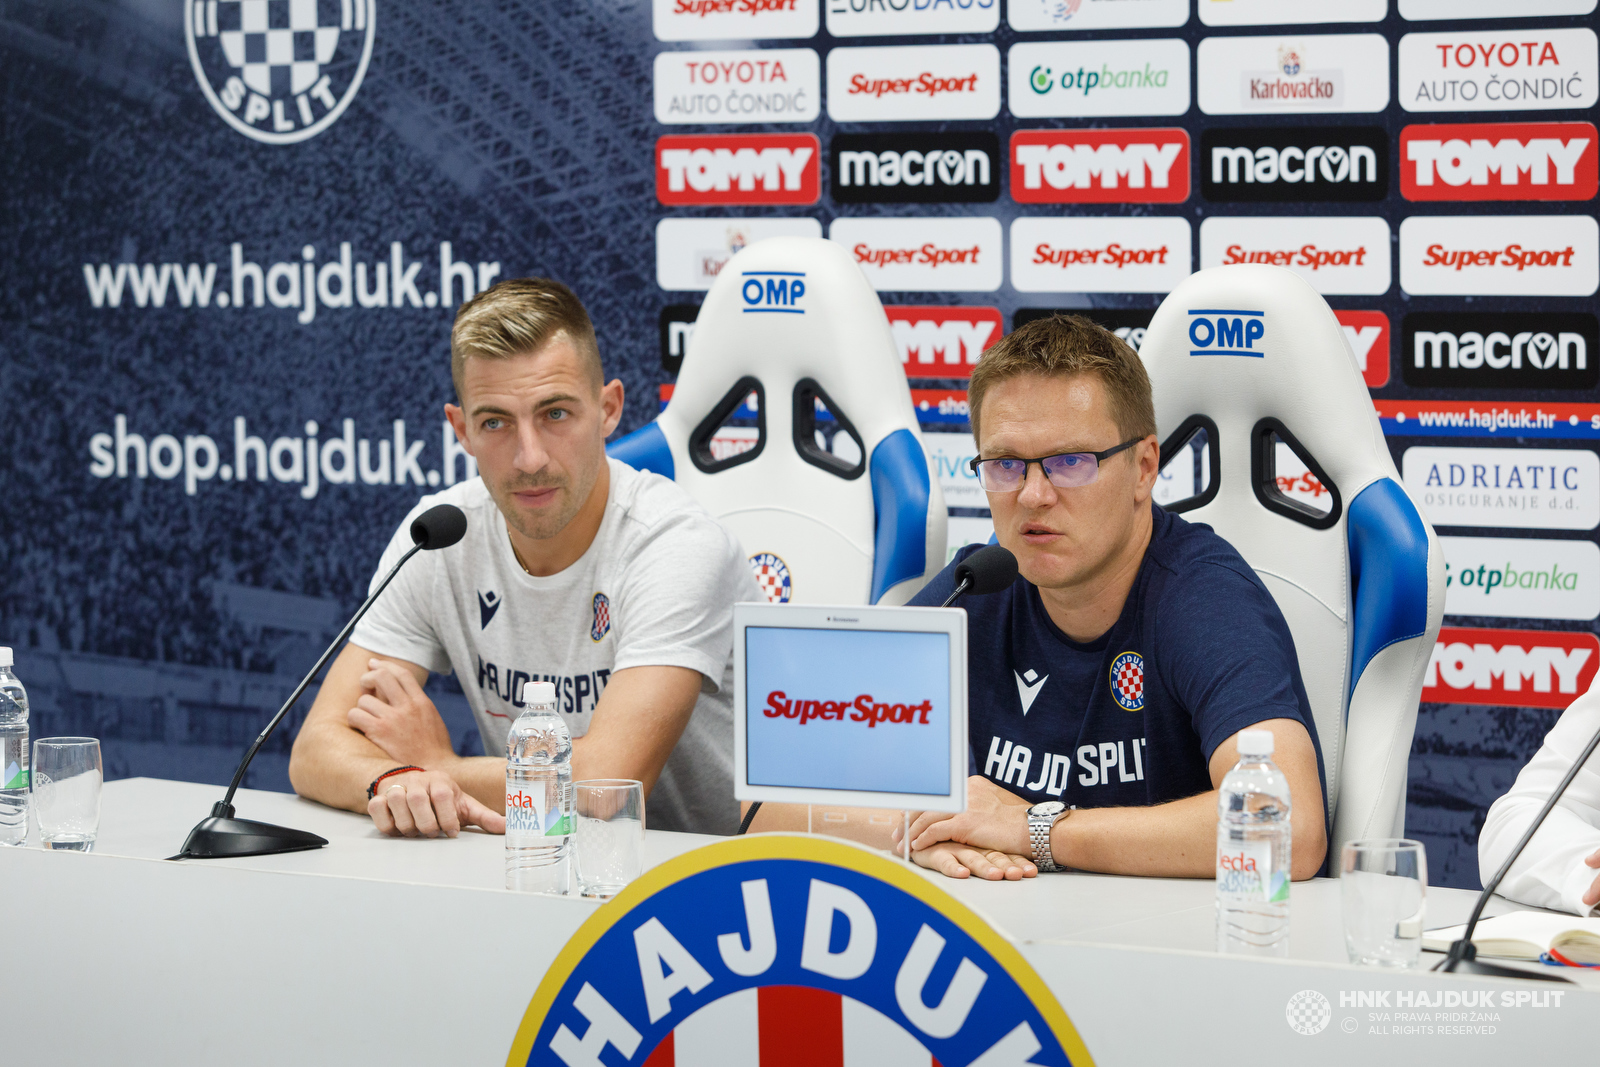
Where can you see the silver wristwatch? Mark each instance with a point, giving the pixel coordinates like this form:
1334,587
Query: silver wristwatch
1041,818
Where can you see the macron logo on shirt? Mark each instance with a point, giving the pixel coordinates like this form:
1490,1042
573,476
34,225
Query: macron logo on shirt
1027,692
488,604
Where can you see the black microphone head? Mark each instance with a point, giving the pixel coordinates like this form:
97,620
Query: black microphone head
442,526
989,570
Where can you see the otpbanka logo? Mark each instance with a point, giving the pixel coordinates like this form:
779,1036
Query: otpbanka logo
279,71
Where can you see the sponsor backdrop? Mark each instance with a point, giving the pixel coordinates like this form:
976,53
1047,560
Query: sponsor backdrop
237,230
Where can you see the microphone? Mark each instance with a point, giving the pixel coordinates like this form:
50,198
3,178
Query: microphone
220,834
1463,957
988,570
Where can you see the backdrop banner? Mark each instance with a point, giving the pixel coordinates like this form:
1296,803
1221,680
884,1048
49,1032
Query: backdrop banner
237,231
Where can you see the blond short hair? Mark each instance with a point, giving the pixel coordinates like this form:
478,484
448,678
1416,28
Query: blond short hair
517,317
1064,345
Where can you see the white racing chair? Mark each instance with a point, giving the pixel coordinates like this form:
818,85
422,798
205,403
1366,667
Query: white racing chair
1258,399
855,520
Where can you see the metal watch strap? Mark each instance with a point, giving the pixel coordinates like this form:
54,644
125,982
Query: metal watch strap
1039,827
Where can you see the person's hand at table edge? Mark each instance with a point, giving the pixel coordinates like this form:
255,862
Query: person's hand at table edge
989,839
427,804
955,860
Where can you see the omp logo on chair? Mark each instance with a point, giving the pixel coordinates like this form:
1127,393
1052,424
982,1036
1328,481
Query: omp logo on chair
1286,460
792,423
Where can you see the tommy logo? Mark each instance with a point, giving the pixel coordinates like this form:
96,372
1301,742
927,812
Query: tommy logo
1027,688
488,604
1127,681
602,617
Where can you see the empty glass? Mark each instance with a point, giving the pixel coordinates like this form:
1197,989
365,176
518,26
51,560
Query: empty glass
66,791
610,834
1384,883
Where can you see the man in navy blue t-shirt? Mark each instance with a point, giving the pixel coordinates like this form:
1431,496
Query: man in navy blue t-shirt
1107,685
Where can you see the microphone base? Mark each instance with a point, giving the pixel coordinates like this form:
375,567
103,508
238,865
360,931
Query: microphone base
216,837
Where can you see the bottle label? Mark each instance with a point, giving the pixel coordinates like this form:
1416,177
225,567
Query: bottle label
524,817
15,777
1244,873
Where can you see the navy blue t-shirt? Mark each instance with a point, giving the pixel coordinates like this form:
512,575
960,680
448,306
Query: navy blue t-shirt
1131,718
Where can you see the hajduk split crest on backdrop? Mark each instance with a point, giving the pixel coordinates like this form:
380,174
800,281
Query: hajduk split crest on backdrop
789,949
279,71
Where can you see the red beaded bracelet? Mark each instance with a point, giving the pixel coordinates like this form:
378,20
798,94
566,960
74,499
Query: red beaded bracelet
372,790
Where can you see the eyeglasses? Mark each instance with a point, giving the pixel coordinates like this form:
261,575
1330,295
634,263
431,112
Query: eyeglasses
1066,471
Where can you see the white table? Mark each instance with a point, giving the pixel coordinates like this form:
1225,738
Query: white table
378,950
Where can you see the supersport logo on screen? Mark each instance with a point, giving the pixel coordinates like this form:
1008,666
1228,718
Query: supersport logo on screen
866,710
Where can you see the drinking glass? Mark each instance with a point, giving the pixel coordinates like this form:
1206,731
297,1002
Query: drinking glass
610,834
66,791
1384,883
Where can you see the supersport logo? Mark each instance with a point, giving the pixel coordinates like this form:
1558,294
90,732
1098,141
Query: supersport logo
1113,255
1512,255
726,7
929,253
926,83
865,710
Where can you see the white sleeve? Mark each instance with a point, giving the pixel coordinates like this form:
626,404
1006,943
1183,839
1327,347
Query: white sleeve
1550,873
399,623
675,607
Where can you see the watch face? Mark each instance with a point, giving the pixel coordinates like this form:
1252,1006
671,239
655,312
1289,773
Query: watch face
1048,807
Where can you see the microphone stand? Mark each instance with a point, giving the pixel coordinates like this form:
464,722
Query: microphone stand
220,834
1463,957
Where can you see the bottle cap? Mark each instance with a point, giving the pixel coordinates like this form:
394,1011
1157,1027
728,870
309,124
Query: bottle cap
1255,742
5,656
538,693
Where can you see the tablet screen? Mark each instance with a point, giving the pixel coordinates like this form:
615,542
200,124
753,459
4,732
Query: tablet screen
864,710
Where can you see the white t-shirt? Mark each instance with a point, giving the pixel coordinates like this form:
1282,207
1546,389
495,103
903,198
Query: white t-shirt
656,588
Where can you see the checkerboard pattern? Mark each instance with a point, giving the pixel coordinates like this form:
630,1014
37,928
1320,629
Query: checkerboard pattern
1127,679
1309,1012
772,576
278,46
602,617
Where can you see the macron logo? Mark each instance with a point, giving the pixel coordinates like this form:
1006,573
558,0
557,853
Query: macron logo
1028,691
488,604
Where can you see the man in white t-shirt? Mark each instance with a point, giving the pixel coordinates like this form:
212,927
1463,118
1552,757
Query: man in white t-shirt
1560,868
576,569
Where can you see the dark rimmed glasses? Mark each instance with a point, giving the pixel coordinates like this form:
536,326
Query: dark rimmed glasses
1066,471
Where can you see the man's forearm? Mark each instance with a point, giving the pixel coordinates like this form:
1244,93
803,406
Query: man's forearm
483,778
1173,840
333,764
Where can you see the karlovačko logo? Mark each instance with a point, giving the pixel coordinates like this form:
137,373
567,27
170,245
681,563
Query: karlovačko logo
817,947
1501,350
279,72
1510,668
1149,166
960,167
1499,161
1346,72
942,342
738,168
1276,164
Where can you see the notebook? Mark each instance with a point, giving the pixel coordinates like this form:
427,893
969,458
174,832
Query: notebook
1524,935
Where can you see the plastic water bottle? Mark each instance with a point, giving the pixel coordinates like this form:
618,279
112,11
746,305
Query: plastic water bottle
1253,851
539,820
13,755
